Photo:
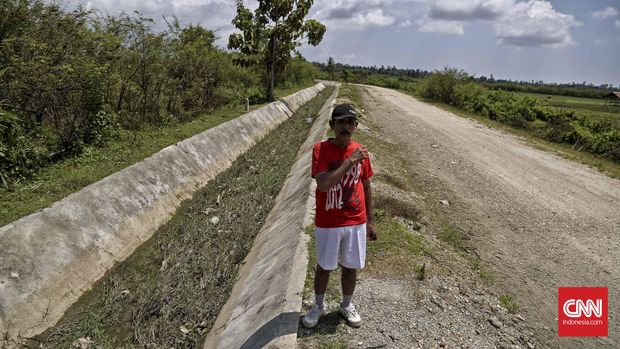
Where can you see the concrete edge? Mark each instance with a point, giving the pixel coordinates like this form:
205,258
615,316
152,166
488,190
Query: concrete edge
264,306
49,258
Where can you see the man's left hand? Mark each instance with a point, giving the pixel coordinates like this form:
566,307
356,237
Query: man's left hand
371,232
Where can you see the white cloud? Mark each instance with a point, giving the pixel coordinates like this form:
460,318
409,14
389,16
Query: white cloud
375,17
210,13
450,16
606,13
354,14
535,23
405,23
468,10
617,23
428,25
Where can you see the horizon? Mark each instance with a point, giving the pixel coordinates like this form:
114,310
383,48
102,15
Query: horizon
558,42
491,76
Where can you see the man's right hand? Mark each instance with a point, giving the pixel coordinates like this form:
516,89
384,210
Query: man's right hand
358,155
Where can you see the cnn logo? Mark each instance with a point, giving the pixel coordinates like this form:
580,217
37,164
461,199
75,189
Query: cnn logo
578,308
582,311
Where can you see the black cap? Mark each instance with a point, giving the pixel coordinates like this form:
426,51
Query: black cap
342,111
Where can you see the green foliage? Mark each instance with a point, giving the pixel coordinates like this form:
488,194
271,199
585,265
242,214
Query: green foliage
69,80
508,303
298,72
330,66
19,153
271,33
442,85
573,89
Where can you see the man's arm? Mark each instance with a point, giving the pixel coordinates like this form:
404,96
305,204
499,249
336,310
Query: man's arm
326,180
370,218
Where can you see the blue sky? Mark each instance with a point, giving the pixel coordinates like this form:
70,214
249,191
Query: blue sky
553,41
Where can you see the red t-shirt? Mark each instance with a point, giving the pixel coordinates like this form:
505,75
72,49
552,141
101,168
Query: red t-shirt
344,203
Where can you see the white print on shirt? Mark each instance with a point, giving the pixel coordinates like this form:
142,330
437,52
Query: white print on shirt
340,194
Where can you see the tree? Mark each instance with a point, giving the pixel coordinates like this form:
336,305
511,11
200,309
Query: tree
268,35
330,67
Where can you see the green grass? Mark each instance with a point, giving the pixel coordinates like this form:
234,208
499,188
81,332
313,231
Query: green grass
597,109
331,344
398,250
508,303
453,236
183,275
70,175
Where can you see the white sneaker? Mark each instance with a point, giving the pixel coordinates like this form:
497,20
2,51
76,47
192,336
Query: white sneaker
351,315
313,316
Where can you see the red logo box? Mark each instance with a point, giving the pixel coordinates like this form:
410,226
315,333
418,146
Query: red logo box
582,312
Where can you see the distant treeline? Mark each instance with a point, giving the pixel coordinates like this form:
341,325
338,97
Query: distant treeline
572,89
70,79
362,73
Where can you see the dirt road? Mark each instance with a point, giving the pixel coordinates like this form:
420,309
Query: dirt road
536,220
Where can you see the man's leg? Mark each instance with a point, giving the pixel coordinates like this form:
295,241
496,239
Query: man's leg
353,255
347,309
349,277
321,278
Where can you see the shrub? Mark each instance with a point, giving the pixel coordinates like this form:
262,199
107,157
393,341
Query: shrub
74,78
20,153
442,85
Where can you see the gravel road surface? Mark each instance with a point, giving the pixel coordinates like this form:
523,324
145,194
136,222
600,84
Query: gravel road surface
536,220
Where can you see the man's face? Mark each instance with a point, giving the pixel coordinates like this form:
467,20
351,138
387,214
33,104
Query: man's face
344,128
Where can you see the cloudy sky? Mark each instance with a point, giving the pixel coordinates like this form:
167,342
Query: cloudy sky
549,40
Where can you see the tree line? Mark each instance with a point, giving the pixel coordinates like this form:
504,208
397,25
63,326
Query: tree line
365,73
70,79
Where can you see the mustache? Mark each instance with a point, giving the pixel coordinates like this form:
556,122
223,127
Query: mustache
345,132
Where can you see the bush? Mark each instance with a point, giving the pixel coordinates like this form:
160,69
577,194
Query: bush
72,79
442,85
20,153
298,72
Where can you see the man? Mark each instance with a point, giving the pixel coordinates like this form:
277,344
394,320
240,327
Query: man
342,171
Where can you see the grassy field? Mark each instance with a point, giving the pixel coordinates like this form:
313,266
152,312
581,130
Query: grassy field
597,109
70,175
170,291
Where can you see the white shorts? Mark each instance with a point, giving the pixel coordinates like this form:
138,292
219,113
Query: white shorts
342,245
